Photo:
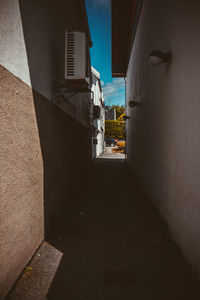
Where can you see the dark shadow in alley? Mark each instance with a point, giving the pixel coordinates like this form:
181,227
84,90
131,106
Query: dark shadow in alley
119,247
114,243
65,165
65,142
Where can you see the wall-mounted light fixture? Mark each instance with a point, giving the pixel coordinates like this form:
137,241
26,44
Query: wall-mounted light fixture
133,104
157,57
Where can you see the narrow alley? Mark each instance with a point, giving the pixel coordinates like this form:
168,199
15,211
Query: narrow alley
114,247
99,150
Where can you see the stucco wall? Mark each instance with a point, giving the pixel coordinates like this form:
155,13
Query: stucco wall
34,32
32,45
13,55
66,151
163,131
44,24
21,179
45,154
32,48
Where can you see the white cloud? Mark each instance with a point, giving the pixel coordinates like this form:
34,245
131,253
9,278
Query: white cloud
114,91
113,86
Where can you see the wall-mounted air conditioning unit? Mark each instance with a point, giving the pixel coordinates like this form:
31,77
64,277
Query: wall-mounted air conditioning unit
96,112
95,141
75,55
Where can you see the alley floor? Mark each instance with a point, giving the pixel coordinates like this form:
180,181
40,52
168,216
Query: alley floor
114,246
108,153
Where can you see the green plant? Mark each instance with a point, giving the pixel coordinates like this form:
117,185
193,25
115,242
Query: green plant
115,129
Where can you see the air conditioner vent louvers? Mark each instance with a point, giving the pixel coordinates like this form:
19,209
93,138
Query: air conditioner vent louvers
75,55
69,54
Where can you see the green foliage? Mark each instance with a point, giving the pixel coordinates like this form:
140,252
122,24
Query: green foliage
120,110
115,129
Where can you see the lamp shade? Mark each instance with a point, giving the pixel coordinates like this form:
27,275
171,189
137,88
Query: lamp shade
158,57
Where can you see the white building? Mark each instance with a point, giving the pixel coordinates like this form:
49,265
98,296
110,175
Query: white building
98,115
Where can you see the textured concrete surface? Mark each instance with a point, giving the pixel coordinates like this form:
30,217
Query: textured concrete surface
21,179
115,245
163,131
34,183
34,50
66,151
110,155
13,54
38,275
45,46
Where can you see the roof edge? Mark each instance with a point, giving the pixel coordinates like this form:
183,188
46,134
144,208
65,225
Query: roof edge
85,16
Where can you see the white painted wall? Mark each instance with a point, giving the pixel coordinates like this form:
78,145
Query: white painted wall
32,39
13,55
32,47
98,123
164,131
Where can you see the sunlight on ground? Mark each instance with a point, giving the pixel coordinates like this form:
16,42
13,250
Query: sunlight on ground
38,275
108,154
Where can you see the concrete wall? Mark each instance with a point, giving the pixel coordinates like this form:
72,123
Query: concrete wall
21,179
12,39
44,150
163,132
32,41
35,184
66,151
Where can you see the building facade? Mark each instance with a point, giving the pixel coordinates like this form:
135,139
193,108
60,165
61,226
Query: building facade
42,126
163,108
110,113
98,116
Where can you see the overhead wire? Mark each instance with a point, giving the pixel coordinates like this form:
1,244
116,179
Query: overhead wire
122,91
111,85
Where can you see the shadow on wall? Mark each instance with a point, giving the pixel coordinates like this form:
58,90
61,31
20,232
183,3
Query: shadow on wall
65,143
44,25
66,154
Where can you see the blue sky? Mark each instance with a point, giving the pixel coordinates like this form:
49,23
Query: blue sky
99,16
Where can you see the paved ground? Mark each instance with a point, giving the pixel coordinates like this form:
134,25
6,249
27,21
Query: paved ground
115,246
38,275
109,154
